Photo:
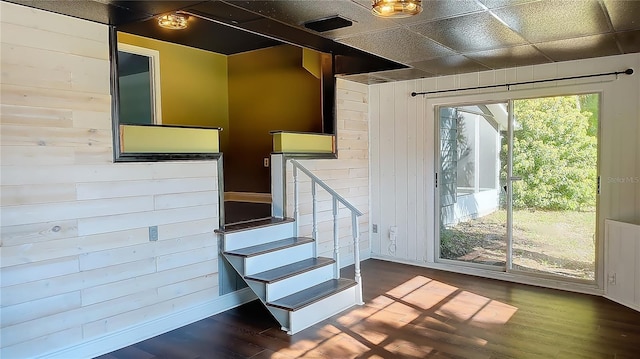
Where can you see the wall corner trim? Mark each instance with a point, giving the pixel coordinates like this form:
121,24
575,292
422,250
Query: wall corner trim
134,334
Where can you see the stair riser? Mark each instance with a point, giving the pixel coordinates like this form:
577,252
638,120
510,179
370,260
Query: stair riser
285,287
271,260
256,236
316,312
321,310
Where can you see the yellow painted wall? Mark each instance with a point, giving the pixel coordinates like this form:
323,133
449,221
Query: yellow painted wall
268,90
193,85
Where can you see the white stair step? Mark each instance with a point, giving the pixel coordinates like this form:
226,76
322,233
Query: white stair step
313,294
252,233
283,281
267,256
289,270
311,311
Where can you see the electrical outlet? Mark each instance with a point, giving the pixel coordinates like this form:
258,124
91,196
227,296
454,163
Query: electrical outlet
612,278
393,230
266,161
374,228
153,233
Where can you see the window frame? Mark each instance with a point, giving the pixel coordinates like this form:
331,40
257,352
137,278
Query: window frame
154,74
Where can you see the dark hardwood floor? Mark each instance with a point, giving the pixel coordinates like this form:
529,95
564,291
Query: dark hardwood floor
413,312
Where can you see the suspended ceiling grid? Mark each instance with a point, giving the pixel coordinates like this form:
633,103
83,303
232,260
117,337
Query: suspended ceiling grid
448,37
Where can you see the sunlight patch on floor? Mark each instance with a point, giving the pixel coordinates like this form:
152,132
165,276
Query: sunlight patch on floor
433,311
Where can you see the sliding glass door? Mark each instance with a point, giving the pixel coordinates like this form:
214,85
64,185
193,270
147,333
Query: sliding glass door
472,215
517,185
555,156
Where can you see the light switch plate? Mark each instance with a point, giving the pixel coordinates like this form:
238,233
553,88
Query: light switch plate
153,233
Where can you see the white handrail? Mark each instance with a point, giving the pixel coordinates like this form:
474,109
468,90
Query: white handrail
325,186
335,199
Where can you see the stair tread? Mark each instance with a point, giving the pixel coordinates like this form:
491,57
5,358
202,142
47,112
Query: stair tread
254,223
269,247
290,270
313,294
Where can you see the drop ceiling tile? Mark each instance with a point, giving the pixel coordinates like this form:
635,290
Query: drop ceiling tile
436,10
475,32
624,14
398,44
555,20
629,41
509,57
403,74
450,65
493,4
365,79
297,12
580,48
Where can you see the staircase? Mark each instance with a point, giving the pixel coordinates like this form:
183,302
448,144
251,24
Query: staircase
297,287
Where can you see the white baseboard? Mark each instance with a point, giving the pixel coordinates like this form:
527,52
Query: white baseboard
590,289
626,304
251,197
114,341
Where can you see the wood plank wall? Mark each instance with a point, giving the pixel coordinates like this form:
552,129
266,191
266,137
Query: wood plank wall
76,260
622,272
348,175
402,132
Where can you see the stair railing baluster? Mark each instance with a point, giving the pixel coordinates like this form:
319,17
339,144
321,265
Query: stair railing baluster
337,199
356,253
314,231
336,238
295,200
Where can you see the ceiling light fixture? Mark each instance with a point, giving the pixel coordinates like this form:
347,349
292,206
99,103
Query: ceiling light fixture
173,21
396,8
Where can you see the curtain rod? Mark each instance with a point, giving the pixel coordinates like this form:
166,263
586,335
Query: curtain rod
508,85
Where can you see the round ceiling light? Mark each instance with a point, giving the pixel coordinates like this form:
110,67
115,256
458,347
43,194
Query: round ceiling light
173,21
396,8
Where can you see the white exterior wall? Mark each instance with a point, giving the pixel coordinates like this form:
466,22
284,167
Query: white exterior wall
402,132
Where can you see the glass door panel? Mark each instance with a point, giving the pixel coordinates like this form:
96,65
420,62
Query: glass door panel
471,198
554,199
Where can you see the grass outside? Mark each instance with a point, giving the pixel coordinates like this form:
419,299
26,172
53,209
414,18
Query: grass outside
561,243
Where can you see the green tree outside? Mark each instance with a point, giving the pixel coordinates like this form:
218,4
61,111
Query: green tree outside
555,153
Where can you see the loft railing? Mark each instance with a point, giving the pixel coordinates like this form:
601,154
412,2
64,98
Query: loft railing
279,163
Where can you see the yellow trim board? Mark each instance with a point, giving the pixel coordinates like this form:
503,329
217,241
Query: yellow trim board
312,62
302,143
251,197
165,139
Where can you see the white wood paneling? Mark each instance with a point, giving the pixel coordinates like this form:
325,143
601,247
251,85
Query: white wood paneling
348,175
38,232
97,190
31,194
41,117
13,275
397,157
622,269
45,307
109,291
35,213
76,261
